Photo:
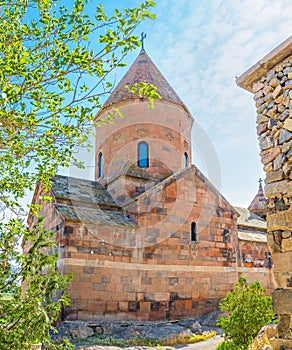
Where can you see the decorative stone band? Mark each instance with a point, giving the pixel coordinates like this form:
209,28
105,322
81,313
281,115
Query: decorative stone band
155,267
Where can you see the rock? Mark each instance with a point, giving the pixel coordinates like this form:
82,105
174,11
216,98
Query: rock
211,318
273,176
283,116
286,169
288,84
75,330
278,162
286,234
279,99
257,86
262,340
266,143
194,326
113,328
280,205
98,330
288,124
167,331
287,244
285,136
267,89
268,167
270,155
287,70
274,82
277,91
282,301
287,146
261,128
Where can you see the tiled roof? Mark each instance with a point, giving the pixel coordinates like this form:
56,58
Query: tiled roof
253,236
131,169
259,201
94,215
249,219
80,190
143,70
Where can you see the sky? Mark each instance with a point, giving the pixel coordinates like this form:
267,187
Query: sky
200,46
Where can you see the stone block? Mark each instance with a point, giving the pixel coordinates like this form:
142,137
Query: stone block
274,82
281,344
287,146
88,269
261,118
134,306
277,91
288,124
285,136
267,157
286,234
287,245
282,261
279,221
261,128
123,306
266,143
282,301
98,286
278,161
273,176
257,86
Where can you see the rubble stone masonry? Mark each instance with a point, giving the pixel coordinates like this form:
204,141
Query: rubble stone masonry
271,82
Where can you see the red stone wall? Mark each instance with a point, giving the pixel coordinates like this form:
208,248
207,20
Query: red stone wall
156,271
254,263
166,128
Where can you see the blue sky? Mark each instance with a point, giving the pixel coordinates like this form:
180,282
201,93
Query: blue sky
200,46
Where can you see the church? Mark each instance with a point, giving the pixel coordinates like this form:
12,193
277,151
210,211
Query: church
151,238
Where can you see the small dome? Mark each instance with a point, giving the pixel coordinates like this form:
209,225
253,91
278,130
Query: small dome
258,204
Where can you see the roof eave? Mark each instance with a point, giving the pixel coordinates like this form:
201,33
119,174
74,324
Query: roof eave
269,61
125,100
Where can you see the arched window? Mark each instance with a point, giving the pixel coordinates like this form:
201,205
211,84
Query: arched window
143,155
100,159
185,159
194,236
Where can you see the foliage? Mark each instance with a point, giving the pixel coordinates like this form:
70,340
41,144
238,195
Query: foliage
175,340
247,309
54,70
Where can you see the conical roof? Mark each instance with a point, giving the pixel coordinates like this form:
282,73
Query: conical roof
143,70
258,204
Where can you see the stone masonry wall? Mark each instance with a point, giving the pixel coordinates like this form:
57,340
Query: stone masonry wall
273,98
166,128
156,271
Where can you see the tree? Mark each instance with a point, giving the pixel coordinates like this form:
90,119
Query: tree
54,69
247,309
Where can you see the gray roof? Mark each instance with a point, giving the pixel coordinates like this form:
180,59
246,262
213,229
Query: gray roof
80,190
249,219
94,215
132,170
253,236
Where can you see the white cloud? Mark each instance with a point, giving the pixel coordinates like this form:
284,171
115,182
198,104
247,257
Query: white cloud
200,46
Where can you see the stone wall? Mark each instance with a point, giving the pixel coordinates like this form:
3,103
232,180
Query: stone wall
271,82
155,271
166,128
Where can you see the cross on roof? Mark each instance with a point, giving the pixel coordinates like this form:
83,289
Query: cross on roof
260,183
143,36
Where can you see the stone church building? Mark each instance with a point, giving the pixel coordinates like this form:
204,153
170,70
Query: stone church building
151,237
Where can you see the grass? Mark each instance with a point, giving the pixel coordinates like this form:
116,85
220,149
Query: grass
179,339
